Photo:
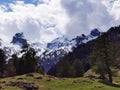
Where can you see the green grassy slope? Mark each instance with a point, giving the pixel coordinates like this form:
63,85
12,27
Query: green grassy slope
52,83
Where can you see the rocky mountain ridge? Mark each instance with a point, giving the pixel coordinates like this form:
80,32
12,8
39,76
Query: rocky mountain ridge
50,54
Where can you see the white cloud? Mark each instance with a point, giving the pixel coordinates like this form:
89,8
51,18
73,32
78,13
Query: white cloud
46,21
31,20
115,11
88,14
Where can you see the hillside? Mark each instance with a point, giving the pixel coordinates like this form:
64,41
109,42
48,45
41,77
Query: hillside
35,81
83,51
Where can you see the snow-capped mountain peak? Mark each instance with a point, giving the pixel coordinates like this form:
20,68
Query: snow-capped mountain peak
58,42
50,53
64,41
19,39
57,48
95,32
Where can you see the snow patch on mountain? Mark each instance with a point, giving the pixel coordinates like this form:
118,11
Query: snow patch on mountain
9,49
58,42
65,42
57,48
49,54
39,48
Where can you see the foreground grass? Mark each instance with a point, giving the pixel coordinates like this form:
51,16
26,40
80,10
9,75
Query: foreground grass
52,83
79,84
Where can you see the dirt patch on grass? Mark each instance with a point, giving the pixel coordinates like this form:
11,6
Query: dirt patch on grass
24,85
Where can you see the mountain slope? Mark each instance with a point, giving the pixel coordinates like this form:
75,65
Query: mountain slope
83,51
48,54
61,46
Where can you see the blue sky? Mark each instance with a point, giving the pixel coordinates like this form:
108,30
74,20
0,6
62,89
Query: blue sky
7,2
35,2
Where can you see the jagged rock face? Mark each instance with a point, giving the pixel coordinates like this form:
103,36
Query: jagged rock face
57,43
79,39
19,39
63,41
49,54
61,46
95,32
9,49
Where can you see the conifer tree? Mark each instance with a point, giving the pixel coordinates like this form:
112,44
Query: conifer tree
78,67
29,59
2,62
65,69
102,56
12,65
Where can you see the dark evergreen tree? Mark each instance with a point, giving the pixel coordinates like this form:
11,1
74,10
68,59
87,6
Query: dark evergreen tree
29,59
41,70
11,68
21,66
102,56
2,62
68,68
78,67
12,65
65,69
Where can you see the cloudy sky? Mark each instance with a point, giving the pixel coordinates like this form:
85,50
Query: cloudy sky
44,20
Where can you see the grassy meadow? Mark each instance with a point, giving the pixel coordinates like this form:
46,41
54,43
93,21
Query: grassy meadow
52,83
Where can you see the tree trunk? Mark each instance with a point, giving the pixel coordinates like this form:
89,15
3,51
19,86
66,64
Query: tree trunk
102,77
107,60
110,75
